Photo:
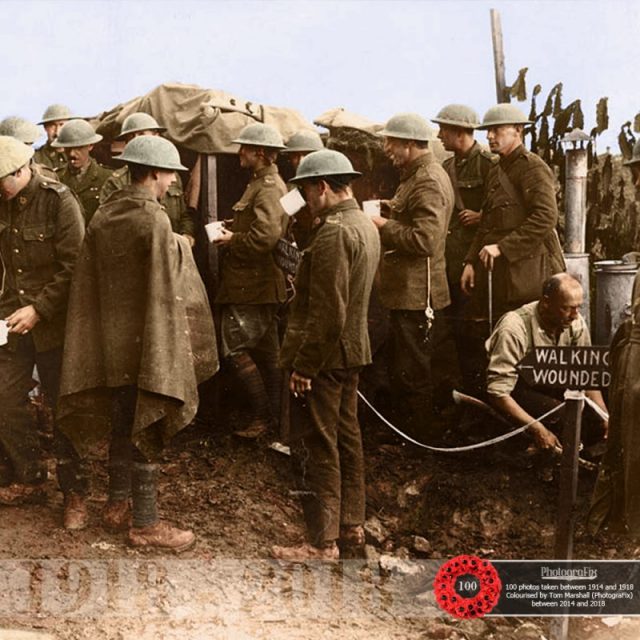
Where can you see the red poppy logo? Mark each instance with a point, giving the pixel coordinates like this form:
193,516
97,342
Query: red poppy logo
467,587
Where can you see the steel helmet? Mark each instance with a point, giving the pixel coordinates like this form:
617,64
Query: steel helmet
76,133
260,135
304,141
324,163
55,113
503,113
13,155
457,115
635,158
19,128
409,126
139,122
152,151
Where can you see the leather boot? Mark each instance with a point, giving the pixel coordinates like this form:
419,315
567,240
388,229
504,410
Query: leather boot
248,375
161,535
116,515
76,516
306,551
16,494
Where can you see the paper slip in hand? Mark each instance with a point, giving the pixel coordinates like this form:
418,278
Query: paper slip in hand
292,202
4,333
214,230
371,207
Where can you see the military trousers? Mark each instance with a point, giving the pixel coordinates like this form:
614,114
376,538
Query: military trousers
410,352
18,429
326,449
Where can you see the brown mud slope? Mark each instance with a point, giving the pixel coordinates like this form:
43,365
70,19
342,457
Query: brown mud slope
237,498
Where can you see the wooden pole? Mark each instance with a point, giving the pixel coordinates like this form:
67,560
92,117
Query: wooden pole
498,57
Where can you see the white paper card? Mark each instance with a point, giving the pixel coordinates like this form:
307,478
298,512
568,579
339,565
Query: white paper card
4,333
214,230
292,202
371,207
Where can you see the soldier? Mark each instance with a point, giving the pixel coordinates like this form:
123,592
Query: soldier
516,247
141,339
634,164
41,231
552,321
53,118
413,280
142,124
82,174
298,146
251,286
27,133
467,169
325,346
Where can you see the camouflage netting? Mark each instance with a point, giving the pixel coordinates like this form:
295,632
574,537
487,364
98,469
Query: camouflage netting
201,120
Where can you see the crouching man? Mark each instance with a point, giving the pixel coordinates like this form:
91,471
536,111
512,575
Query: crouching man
325,346
552,321
141,338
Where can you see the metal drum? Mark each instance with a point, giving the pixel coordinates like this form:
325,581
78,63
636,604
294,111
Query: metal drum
578,267
614,284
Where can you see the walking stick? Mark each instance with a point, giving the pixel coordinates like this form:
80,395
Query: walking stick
490,295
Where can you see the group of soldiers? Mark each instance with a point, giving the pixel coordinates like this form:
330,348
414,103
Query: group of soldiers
101,293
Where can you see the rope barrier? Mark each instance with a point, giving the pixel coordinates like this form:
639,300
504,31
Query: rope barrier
469,447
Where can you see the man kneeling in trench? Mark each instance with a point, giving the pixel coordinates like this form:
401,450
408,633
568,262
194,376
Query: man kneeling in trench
552,321
140,338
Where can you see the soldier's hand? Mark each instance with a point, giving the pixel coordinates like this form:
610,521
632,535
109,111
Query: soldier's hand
379,221
488,254
469,217
543,438
299,384
23,320
468,279
225,237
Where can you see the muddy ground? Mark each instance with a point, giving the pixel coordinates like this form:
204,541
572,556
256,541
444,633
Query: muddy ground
237,498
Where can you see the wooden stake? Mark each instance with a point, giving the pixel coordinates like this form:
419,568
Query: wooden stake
498,57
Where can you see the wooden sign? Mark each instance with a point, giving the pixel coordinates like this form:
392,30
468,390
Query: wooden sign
287,256
579,368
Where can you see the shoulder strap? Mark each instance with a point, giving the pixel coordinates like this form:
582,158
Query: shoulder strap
509,187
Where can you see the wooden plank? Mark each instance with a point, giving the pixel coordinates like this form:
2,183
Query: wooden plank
498,57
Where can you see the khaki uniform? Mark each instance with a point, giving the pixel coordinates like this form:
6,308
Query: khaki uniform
327,340
413,237
50,156
173,201
520,216
86,186
468,177
41,231
46,172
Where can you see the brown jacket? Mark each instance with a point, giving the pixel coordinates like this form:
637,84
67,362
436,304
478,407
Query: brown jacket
249,273
41,231
469,174
50,156
138,315
417,229
86,186
523,225
327,324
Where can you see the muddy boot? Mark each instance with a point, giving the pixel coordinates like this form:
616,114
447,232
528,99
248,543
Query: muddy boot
248,375
161,535
328,552
16,494
116,515
76,516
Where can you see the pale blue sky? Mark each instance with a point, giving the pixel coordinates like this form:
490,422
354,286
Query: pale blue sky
373,57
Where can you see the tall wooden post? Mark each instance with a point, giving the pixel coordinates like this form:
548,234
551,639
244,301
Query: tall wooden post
498,57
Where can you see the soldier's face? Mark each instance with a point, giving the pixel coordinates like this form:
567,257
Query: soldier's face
53,128
78,157
398,151
313,194
504,139
449,137
295,159
164,180
562,307
249,156
12,185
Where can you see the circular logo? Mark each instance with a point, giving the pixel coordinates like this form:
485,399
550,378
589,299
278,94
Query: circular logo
467,587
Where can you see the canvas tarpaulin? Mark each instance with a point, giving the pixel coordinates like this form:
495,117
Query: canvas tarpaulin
202,120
